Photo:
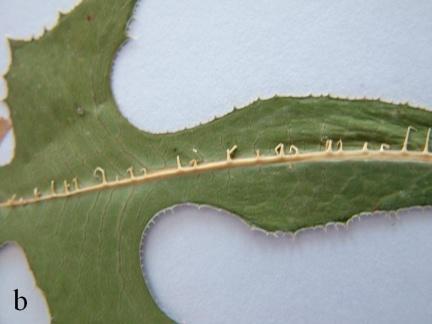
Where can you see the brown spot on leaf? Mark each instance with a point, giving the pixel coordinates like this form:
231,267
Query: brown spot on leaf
89,18
5,125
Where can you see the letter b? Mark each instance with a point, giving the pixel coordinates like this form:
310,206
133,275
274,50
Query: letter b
17,301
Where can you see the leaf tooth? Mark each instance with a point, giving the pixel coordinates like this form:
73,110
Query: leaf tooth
66,186
36,193
11,200
329,145
426,147
405,143
230,152
294,149
280,149
53,190
76,184
257,154
131,172
102,174
339,145
384,147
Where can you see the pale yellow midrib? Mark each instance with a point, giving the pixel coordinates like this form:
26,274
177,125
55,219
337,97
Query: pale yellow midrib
320,156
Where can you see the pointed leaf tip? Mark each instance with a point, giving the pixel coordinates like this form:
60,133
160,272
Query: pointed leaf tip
5,126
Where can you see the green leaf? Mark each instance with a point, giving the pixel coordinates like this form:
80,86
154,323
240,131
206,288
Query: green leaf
82,236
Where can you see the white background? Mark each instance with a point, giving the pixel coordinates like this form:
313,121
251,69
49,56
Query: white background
190,60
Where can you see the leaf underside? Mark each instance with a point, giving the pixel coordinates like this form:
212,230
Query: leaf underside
84,249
